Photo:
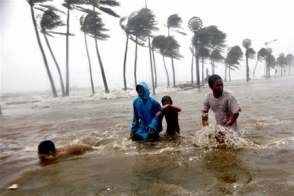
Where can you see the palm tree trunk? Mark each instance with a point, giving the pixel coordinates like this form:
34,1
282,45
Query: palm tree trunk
226,72
229,73
67,52
155,72
255,68
90,66
150,56
173,68
125,61
99,58
192,69
57,66
212,67
101,67
135,64
43,53
168,85
202,71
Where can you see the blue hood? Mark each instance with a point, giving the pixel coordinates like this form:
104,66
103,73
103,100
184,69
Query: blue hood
146,90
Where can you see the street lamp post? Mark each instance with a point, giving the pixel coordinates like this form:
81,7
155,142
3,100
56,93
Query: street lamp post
195,23
246,44
289,57
268,52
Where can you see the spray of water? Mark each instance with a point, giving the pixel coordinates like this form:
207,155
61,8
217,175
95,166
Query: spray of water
205,138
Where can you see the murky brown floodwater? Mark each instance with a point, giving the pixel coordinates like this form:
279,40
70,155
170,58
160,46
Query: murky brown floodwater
259,162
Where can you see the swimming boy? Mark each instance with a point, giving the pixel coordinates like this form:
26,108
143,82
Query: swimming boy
47,150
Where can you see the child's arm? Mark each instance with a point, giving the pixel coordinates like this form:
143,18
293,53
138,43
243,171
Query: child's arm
166,106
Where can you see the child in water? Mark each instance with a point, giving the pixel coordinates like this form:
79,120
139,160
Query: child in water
47,150
171,114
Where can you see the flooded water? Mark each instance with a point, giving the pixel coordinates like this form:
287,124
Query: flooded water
257,161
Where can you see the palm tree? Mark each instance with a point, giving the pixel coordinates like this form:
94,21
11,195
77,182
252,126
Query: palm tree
69,5
83,29
261,55
282,62
234,55
215,57
158,44
94,26
250,53
171,48
140,25
203,54
217,40
97,27
174,23
203,40
289,57
193,55
32,3
49,21
126,30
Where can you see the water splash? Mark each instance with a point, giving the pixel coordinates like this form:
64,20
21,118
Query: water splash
205,138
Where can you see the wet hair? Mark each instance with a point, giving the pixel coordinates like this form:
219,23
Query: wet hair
166,98
212,79
46,146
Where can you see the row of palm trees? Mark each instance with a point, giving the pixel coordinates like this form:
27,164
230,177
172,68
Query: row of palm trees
139,27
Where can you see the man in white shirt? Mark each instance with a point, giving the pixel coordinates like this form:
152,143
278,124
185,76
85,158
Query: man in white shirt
223,104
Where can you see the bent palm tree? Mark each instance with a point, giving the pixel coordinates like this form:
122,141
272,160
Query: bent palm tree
32,4
217,40
158,44
94,26
174,23
69,5
49,21
250,53
261,55
234,55
82,21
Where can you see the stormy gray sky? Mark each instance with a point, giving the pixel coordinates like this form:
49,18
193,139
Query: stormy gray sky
22,67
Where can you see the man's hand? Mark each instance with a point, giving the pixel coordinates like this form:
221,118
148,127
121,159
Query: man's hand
220,136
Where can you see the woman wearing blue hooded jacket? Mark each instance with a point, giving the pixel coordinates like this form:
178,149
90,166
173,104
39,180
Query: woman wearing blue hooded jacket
145,124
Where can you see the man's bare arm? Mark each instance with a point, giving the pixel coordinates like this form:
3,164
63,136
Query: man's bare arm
204,118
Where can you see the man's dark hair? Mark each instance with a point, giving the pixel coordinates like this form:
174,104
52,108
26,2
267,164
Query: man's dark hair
46,146
166,98
212,79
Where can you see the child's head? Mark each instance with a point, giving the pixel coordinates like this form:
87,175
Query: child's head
166,100
46,148
140,90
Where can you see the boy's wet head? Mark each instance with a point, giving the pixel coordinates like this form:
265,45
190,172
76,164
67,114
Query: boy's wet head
166,99
46,147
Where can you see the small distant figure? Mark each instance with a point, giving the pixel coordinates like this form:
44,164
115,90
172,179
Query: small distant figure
145,124
47,150
171,113
223,103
